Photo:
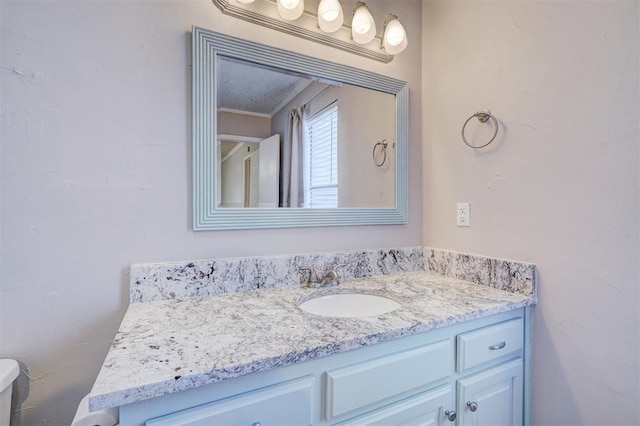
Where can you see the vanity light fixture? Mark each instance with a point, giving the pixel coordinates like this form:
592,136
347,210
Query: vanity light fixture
359,35
330,16
363,27
290,9
394,39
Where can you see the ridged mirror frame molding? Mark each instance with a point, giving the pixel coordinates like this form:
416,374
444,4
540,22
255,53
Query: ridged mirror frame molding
206,46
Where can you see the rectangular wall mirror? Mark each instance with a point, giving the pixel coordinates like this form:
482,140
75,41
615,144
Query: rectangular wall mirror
282,139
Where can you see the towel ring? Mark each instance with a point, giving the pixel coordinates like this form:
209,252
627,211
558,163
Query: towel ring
482,116
383,146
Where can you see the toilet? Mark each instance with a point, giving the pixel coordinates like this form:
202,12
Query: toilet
9,370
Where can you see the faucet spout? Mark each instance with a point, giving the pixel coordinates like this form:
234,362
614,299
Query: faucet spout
332,278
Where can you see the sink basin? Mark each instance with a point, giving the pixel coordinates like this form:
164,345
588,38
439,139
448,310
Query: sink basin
349,305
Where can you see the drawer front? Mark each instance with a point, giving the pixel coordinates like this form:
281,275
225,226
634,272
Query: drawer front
489,343
424,409
357,386
287,403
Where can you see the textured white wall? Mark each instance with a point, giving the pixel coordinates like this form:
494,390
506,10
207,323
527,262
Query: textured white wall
96,174
559,187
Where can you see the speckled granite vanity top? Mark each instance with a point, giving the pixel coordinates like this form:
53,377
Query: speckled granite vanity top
169,345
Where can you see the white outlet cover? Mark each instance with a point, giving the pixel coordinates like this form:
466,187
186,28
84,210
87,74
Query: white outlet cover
463,216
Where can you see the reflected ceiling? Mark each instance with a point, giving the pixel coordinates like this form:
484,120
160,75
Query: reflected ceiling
245,87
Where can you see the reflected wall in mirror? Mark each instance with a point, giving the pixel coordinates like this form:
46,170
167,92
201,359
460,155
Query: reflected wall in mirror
282,139
340,124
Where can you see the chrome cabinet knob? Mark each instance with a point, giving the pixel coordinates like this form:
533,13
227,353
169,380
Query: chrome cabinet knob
473,406
257,424
451,415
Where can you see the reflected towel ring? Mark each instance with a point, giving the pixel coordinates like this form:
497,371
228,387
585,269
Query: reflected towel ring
383,146
482,116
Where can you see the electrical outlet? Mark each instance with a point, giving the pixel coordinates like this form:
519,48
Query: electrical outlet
463,216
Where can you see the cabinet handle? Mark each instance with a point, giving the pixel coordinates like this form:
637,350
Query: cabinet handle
451,415
473,406
257,424
498,346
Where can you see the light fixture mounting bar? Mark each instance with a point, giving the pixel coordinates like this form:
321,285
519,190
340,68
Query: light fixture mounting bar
265,13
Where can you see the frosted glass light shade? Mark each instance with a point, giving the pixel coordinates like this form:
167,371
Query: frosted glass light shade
330,15
290,9
363,27
395,36
245,1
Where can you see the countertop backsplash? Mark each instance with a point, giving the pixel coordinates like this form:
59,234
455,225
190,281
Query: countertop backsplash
179,280
502,274
175,280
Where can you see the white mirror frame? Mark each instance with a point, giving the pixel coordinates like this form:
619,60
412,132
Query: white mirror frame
207,45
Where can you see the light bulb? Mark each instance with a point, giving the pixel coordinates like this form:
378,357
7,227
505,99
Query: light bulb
362,20
290,9
330,16
394,40
363,27
395,36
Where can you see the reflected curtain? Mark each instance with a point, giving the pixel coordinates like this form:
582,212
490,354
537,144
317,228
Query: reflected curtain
291,181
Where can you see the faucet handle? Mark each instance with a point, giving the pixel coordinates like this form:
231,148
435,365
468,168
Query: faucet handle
333,274
335,268
313,277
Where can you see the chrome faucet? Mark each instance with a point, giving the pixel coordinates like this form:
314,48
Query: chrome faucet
330,279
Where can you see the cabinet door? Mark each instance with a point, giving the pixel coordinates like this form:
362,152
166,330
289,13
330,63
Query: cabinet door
283,404
425,409
492,397
372,382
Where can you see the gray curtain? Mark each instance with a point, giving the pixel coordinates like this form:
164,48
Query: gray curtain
291,179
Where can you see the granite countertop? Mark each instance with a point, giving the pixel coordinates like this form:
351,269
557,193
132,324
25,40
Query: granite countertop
167,346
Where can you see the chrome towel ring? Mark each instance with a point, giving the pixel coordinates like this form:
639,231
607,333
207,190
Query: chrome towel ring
383,148
482,116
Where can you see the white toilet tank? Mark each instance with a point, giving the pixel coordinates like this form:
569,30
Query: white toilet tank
9,370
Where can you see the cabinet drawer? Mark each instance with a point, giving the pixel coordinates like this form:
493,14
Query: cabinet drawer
359,385
423,409
489,343
287,403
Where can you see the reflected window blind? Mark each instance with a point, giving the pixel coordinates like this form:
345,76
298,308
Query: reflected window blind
322,159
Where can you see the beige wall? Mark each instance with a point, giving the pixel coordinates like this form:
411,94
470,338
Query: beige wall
96,156
559,187
362,183
230,123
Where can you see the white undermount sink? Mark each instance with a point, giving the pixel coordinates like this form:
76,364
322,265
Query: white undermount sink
349,305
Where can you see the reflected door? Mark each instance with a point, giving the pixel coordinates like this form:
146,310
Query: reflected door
269,172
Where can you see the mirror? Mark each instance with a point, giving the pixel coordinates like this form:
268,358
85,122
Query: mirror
341,124
282,139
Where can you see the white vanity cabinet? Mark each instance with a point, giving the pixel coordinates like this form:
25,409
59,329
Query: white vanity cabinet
469,373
